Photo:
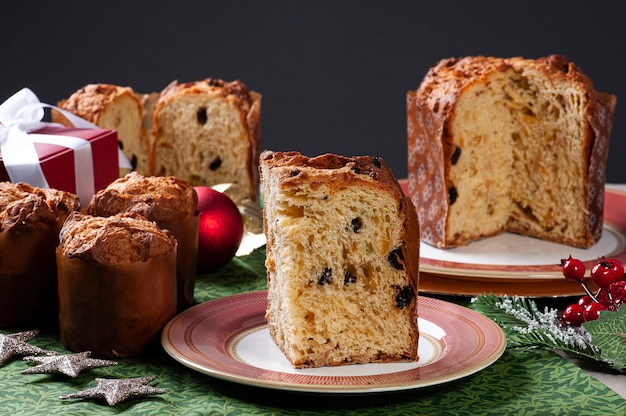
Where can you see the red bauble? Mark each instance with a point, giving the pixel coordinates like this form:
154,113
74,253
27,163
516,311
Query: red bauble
220,229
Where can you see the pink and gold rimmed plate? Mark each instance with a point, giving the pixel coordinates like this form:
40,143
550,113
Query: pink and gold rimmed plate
516,265
228,338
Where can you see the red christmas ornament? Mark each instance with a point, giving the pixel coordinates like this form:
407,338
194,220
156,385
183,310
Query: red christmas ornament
220,229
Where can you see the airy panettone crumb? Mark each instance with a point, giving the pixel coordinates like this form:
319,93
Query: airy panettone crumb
342,260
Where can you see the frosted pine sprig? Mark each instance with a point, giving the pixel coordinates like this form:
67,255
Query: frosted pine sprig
527,326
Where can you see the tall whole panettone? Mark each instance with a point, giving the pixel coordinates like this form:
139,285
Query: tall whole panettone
342,260
508,144
117,283
168,201
208,132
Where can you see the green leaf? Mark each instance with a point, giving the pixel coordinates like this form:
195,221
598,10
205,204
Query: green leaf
608,333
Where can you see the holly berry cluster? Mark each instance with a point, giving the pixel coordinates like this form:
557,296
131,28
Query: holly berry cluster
607,275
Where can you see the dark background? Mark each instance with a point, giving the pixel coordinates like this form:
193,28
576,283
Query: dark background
333,74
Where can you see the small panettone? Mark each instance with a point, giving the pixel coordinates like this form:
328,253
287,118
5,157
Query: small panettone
112,107
117,283
514,145
30,221
170,202
206,133
342,260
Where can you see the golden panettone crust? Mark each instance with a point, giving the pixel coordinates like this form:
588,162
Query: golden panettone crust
160,198
89,101
341,170
118,239
235,90
24,207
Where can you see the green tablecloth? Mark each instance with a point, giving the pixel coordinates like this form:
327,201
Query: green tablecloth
520,382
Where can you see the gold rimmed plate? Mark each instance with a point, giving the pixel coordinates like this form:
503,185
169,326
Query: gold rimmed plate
228,338
517,265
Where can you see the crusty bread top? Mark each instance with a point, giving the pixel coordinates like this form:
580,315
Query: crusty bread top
122,238
25,208
236,89
447,79
160,198
332,169
89,101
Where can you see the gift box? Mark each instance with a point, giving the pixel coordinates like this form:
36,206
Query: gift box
59,163
80,160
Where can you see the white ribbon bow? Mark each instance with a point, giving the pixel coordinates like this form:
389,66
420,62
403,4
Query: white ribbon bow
20,115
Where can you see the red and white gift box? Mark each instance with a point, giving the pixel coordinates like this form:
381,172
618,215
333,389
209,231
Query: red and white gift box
80,160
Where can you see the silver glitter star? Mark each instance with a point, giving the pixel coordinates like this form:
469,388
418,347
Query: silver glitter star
17,344
115,391
69,364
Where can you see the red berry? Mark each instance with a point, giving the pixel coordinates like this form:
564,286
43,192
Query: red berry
573,269
618,269
606,272
592,311
574,314
614,296
585,300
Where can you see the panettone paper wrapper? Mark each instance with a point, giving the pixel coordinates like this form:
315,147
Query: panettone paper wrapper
115,310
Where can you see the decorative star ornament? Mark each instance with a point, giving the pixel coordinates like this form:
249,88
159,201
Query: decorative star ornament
115,391
70,364
17,344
